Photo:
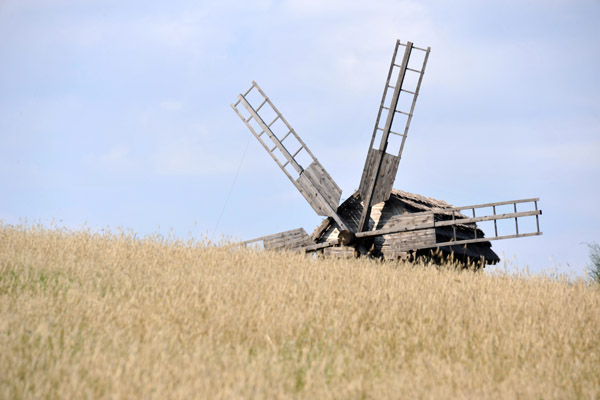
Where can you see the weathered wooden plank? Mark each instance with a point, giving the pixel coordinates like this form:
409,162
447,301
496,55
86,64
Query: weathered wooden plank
314,198
284,239
405,219
381,181
391,243
292,239
385,180
288,240
403,237
340,251
368,174
279,240
320,245
324,184
267,237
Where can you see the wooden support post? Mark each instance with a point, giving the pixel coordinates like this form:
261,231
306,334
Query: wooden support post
496,225
516,222
537,218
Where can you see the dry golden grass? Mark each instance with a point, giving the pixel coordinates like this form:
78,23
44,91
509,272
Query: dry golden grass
85,315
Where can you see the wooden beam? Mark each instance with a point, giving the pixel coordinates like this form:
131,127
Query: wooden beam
318,246
267,237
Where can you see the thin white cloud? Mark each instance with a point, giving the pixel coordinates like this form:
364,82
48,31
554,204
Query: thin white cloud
356,8
117,159
351,47
170,105
567,156
179,158
189,160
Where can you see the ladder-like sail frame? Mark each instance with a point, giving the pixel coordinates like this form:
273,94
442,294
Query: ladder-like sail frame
380,167
314,182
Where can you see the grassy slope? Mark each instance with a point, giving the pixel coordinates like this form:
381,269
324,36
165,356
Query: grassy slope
108,316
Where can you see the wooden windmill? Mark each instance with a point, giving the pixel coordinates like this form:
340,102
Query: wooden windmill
378,220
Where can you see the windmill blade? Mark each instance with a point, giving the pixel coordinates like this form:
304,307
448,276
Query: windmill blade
314,182
295,239
382,161
420,228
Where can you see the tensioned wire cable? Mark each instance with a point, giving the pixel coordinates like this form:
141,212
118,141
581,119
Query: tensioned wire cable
231,188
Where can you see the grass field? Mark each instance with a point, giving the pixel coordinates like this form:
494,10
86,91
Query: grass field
87,315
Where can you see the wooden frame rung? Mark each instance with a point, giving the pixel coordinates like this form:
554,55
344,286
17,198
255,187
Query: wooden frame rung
516,221
453,226
392,87
419,48
272,122
396,133
261,104
248,91
318,246
402,112
286,135
413,70
496,225
297,151
408,91
537,219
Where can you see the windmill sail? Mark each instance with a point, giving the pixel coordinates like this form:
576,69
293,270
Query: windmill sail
428,221
382,161
289,152
288,240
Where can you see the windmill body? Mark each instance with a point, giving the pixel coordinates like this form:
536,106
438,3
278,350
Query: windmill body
378,220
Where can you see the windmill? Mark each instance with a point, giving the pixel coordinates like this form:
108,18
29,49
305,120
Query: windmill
378,220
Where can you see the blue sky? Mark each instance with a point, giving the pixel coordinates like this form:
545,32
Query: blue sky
116,114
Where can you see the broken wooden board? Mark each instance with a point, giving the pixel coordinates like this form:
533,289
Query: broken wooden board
288,240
